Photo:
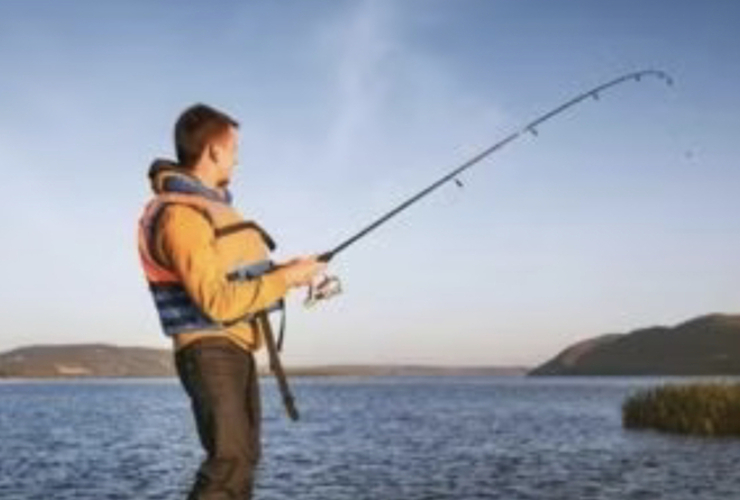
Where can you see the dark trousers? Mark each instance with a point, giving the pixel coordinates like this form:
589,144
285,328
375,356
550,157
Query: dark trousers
221,380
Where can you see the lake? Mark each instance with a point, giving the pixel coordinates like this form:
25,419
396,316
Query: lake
411,438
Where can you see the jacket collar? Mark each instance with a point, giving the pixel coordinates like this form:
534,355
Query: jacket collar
166,177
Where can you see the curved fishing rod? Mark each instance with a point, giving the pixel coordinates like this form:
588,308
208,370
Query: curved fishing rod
530,127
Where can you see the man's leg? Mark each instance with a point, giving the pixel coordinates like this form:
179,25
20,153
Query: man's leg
220,379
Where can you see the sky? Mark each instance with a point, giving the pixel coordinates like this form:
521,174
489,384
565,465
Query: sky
621,214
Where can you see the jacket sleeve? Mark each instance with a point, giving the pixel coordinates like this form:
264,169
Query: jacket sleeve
185,241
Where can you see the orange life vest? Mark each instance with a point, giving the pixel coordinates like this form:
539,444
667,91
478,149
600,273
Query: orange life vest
243,245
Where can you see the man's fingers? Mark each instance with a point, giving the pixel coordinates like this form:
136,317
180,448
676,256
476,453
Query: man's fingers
301,271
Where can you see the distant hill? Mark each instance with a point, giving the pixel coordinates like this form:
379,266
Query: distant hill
708,345
100,360
407,370
86,360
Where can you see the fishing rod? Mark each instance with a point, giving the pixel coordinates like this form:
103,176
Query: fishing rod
329,286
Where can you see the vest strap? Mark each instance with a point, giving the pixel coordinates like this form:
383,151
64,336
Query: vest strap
241,226
276,366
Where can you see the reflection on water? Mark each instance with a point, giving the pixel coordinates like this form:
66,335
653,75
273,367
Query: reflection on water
375,438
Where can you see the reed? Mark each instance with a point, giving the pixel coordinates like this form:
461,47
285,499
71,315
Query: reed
704,409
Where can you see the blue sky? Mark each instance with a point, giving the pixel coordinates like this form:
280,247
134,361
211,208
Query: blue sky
623,213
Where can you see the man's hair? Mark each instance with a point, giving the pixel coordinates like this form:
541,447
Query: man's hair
196,128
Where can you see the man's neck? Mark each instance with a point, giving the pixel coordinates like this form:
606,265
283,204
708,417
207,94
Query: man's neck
200,172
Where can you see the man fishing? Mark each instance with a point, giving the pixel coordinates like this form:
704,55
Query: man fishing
213,284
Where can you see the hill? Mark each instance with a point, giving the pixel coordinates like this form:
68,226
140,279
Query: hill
708,345
86,360
100,360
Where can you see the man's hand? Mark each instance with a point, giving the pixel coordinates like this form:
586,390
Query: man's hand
299,272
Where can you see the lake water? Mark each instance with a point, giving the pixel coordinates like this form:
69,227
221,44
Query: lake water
361,438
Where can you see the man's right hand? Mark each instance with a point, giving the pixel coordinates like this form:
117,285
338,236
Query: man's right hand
300,272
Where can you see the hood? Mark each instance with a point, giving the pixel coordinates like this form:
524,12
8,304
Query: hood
166,176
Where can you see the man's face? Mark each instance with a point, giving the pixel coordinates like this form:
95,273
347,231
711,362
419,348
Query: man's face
227,152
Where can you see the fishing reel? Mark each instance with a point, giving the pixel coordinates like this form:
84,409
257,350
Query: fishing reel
323,287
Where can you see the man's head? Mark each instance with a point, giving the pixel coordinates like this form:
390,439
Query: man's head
206,144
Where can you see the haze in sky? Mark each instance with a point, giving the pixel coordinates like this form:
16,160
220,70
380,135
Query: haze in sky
622,213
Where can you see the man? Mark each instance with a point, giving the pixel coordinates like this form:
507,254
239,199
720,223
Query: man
199,258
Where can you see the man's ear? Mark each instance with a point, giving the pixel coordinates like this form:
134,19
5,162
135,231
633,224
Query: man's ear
213,153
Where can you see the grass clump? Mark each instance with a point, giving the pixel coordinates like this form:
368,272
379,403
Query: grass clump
704,409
